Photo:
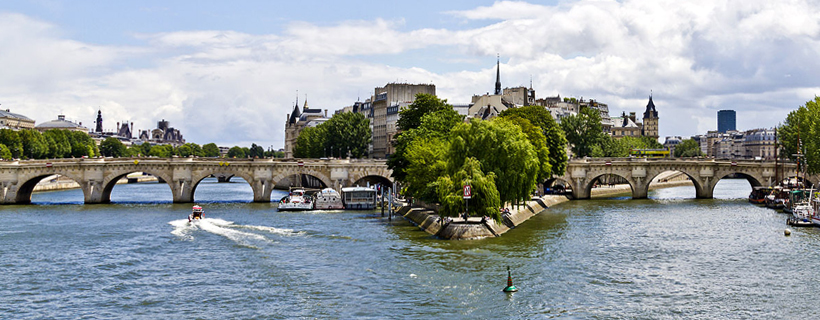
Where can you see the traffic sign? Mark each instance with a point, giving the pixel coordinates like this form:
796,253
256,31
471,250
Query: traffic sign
301,164
468,191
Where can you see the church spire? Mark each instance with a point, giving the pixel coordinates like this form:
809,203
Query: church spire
498,75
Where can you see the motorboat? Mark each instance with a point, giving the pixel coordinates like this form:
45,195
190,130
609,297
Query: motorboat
758,195
296,200
328,199
777,199
196,214
359,198
801,215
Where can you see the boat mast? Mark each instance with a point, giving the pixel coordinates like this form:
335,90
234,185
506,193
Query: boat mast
776,167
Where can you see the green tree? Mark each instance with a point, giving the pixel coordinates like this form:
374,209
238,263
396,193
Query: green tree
583,131
162,151
35,146
210,150
485,199
5,154
195,150
536,137
410,116
11,139
688,148
347,132
59,145
82,145
310,143
140,150
435,125
501,148
236,152
556,140
426,162
799,133
256,151
113,147
184,151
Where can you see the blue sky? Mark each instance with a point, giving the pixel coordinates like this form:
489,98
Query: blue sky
229,72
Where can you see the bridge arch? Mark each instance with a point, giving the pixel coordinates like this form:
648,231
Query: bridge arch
699,187
282,175
111,178
587,188
195,180
22,194
373,180
754,181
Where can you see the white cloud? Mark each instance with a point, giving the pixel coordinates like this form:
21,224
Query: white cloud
233,87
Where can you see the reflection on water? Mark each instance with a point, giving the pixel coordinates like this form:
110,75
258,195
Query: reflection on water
669,256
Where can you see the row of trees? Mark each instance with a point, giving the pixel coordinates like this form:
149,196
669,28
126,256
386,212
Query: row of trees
31,144
798,135
437,153
342,135
113,147
586,137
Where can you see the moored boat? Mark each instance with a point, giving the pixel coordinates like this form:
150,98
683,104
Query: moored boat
196,214
359,198
758,195
328,199
295,201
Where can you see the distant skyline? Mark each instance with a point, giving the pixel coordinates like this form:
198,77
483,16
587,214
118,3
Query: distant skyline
229,72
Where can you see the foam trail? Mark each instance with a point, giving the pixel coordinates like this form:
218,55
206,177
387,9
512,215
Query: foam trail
182,229
279,231
218,226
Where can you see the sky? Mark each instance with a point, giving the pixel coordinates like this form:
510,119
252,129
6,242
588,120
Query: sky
230,72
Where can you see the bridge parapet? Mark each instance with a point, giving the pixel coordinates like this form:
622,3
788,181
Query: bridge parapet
97,176
582,174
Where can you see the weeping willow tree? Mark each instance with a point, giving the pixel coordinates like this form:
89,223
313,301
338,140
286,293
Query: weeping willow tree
485,198
502,149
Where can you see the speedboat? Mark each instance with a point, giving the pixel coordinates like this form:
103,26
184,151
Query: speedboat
196,214
328,199
295,201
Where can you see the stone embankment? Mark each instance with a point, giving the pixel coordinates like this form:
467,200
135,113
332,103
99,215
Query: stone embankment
55,182
478,228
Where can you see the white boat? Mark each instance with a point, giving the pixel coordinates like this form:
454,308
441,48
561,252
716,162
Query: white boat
359,198
295,201
327,199
196,214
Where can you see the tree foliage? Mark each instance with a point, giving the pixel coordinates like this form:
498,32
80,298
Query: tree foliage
343,134
113,147
236,152
621,147
5,154
427,162
485,199
555,138
410,117
11,139
688,148
502,148
210,150
583,131
435,125
799,132
539,143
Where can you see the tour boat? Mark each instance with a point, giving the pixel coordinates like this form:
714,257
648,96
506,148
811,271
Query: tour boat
295,201
777,199
196,214
327,199
758,195
359,198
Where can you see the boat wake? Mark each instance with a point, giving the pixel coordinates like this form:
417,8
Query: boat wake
185,230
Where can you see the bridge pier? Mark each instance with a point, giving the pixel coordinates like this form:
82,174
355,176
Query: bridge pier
183,191
93,192
262,189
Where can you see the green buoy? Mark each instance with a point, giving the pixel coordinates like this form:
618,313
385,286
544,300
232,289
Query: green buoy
510,287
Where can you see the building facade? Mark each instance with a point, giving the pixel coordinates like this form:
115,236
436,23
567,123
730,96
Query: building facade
386,103
297,121
727,121
14,121
61,124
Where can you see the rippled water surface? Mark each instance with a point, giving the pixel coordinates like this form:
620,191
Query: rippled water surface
666,257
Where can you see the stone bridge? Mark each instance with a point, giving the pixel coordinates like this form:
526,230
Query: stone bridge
97,176
582,174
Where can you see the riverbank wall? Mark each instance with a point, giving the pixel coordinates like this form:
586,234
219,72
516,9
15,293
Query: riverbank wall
63,183
477,228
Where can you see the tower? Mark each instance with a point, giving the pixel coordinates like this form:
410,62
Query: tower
727,120
498,76
650,120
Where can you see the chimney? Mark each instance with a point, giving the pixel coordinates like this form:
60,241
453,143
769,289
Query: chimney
632,116
325,113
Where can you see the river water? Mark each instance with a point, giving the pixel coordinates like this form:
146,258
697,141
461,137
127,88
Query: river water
669,256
